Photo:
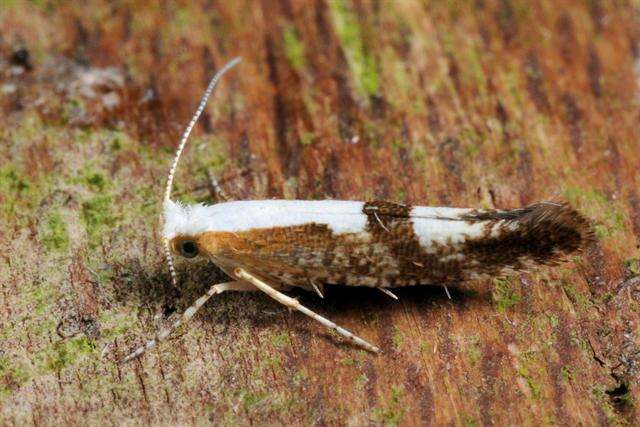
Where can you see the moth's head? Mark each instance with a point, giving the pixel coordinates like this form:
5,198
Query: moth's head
186,246
184,223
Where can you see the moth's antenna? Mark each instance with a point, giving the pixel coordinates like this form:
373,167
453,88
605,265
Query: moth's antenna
183,143
192,123
169,258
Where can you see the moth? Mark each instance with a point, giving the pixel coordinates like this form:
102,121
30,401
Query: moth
272,245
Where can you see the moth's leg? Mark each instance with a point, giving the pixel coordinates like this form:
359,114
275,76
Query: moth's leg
236,286
447,291
190,312
388,292
295,304
317,289
216,188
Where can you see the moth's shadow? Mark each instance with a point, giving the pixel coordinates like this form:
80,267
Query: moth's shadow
151,286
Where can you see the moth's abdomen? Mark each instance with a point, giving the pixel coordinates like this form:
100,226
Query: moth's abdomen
400,245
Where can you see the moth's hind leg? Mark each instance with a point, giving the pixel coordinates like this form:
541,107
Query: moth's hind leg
240,286
295,304
216,189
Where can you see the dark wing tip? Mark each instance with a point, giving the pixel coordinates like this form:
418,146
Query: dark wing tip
547,231
568,228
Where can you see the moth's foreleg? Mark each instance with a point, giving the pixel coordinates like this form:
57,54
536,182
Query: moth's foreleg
295,304
190,312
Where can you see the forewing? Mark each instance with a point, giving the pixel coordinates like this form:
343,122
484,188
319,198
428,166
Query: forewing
401,245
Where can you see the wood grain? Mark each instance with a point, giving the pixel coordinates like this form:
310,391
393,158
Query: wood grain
488,104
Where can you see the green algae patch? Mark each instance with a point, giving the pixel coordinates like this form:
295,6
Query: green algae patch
474,351
97,217
281,340
363,64
15,190
504,297
116,324
41,296
92,179
12,376
293,48
609,221
96,181
391,411
54,235
63,354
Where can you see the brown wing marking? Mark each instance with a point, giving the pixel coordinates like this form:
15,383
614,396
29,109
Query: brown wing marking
389,252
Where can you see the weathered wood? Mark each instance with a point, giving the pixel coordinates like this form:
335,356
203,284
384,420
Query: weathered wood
485,103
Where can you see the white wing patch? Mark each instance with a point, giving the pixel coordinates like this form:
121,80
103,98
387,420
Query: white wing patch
443,226
339,215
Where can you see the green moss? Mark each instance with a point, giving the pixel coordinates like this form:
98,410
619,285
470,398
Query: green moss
471,150
293,48
96,181
567,373
418,154
601,396
12,376
472,73
97,217
54,236
503,296
14,188
64,353
250,400
307,138
272,362
533,385
398,336
512,79
281,340
72,108
632,266
363,65
402,82
115,144
469,421
474,352
348,361
116,324
300,376
12,182
92,179
576,297
390,412
40,297
362,379
597,206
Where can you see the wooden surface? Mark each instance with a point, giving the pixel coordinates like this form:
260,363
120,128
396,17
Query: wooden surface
459,103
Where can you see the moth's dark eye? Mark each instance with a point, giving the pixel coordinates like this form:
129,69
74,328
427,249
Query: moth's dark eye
189,249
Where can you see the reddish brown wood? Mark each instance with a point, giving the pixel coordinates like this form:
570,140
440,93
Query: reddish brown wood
494,103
